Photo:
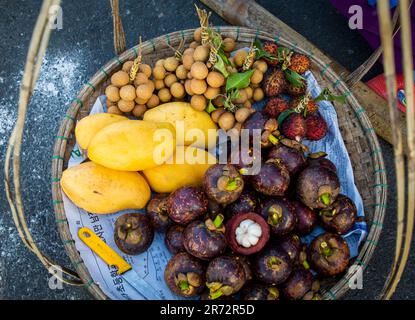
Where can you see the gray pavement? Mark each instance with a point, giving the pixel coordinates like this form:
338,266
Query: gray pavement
74,55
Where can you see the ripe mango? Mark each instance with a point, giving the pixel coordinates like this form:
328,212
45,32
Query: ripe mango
188,123
87,127
133,145
100,190
180,170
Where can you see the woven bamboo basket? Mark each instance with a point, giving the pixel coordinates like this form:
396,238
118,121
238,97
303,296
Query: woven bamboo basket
357,131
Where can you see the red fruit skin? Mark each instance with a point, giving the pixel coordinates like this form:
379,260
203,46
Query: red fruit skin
275,106
316,127
294,127
231,233
271,48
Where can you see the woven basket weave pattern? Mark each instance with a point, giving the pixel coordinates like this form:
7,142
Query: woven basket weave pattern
358,134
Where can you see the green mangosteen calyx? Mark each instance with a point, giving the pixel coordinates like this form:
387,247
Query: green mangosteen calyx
273,293
325,198
216,224
188,282
226,183
274,263
217,289
325,249
274,214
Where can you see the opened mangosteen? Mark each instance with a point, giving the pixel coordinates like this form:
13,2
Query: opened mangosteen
278,212
247,233
272,265
133,233
298,284
157,212
273,179
291,244
328,254
247,202
292,157
317,186
223,183
306,218
341,215
184,275
225,276
186,204
174,239
205,239
259,291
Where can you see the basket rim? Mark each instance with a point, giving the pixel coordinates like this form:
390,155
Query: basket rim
240,34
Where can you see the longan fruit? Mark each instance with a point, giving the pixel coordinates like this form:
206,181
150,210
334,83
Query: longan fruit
197,35
198,102
249,92
199,70
114,110
170,79
144,91
231,69
127,93
226,121
261,65
140,78
218,101
159,84
170,64
140,101
242,97
242,114
127,66
181,72
194,44
201,53
211,93
215,115
258,94
188,51
189,75
146,69
159,72
154,101
228,44
257,76
159,63
164,95
188,88
239,57
198,86
120,78
126,106
215,79
247,104
187,60
139,110
177,90
112,93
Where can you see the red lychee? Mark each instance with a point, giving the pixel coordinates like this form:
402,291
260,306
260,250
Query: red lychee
299,63
316,127
274,83
294,127
296,91
271,48
275,106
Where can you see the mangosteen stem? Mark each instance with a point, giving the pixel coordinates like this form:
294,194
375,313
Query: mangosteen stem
183,285
328,212
216,294
233,184
306,265
325,198
273,293
243,171
273,262
218,220
274,215
273,139
325,249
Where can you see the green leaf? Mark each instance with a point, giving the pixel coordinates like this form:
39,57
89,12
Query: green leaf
327,95
294,78
261,53
239,80
220,66
210,107
284,115
225,59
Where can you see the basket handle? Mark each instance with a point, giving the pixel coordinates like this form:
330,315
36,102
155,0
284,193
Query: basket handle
118,30
37,48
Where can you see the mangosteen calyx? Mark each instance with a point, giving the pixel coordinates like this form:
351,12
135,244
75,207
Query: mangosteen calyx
325,250
248,233
273,293
217,289
274,214
226,183
188,283
216,224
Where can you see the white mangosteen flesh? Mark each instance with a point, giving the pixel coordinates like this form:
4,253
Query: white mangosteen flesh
248,233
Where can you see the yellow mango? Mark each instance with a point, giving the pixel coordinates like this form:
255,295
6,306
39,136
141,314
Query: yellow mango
188,123
100,190
87,127
186,167
133,145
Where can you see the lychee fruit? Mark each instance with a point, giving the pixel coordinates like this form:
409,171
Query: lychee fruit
274,83
294,127
299,63
271,48
275,106
316,127
296,91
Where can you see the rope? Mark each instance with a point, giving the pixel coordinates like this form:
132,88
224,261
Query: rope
37,49
119,35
